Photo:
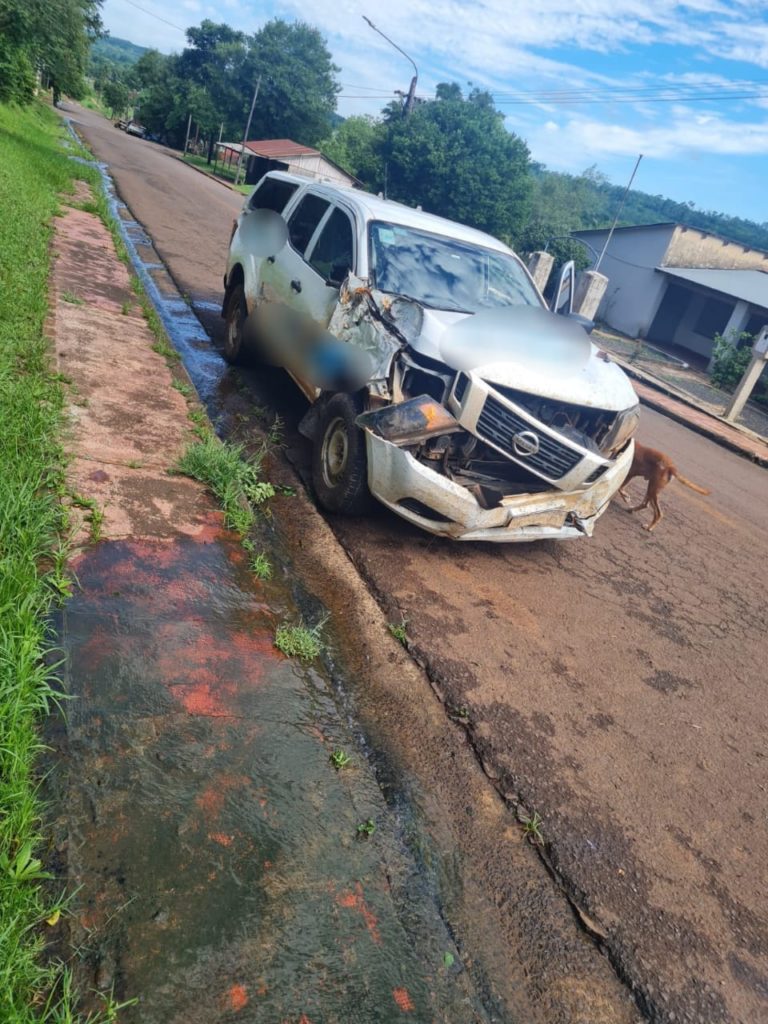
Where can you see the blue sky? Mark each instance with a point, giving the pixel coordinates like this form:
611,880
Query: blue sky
584,82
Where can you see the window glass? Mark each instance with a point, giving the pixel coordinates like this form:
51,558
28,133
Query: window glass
272,194
444,273
304,220
333,251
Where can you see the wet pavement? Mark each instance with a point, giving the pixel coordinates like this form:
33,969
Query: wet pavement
223,876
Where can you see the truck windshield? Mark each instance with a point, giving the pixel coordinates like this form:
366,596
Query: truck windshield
443,273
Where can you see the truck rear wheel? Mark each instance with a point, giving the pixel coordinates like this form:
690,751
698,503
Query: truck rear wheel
236,313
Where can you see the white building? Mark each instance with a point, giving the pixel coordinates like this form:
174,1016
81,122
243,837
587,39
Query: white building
283,155
678,286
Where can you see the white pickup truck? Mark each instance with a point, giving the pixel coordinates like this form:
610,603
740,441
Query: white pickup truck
481,414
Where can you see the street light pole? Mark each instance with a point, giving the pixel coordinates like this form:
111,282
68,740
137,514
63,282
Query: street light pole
411,98
618,213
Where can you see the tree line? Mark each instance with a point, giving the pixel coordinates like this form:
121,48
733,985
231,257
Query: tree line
47,41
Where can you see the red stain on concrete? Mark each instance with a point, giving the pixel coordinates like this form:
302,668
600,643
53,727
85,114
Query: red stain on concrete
238,997
403,1000
221,838
201,700
356,901
211,799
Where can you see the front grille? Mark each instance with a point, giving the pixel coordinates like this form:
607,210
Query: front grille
498,425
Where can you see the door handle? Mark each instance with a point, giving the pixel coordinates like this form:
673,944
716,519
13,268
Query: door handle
296,285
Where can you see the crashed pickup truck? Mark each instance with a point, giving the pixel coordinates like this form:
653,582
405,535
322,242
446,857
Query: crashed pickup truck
439,381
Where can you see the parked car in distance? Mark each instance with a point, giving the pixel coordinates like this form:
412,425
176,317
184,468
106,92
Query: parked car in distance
466,406
134,128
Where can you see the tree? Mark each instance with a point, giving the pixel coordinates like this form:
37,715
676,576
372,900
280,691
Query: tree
454,157
355,145
51,36
116,94
298,85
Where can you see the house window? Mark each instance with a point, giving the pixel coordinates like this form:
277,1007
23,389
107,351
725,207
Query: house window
332,254
304,220
713,317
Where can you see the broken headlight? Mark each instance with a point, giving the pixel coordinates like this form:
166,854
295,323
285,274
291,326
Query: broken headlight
622,428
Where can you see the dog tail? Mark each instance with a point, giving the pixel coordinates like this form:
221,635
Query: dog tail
688,483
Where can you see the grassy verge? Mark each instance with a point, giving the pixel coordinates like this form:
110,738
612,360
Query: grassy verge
34,171
221,171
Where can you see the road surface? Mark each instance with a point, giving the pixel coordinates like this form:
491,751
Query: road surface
615,687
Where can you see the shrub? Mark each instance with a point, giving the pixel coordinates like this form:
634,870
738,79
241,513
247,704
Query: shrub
731,355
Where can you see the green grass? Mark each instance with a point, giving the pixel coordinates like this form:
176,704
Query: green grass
34,171
339,759
399,631
300,641
231,475
532,828
222,172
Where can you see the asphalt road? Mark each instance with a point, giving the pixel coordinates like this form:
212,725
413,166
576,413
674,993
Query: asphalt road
614,686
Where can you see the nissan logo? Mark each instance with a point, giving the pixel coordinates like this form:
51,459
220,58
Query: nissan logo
525,443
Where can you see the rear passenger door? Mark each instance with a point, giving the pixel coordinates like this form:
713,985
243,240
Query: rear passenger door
320,252
270,194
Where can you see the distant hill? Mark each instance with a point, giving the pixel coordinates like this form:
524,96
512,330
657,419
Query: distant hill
593,202
116,51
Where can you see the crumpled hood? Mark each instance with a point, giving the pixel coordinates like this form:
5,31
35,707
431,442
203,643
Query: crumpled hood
527,348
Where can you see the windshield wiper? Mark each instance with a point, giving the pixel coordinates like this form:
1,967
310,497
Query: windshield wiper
431,305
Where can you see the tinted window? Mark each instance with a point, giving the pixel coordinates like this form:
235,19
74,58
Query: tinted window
304,220
445,273
272,194
332,254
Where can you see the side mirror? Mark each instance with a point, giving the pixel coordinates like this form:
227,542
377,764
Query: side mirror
582,321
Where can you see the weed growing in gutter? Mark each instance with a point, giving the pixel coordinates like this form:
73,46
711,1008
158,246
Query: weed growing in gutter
33,554
300,641
399,631
231,475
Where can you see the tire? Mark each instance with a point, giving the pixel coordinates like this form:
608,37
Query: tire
236,313
339,463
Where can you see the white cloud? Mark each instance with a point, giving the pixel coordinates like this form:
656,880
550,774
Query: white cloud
582,140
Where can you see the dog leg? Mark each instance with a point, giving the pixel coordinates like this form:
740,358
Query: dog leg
657,514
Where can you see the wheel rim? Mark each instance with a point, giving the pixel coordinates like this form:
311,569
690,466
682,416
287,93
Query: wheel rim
234,331
334,454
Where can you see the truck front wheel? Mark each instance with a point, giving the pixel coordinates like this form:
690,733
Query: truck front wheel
339,464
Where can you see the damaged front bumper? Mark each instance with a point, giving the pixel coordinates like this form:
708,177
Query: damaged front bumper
440,506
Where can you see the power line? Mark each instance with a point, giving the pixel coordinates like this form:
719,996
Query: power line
680,98
153,15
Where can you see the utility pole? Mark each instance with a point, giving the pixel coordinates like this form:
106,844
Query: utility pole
411,98
189,129
247,129
618,214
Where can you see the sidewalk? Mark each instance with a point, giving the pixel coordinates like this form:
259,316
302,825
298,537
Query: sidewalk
212,848
687,408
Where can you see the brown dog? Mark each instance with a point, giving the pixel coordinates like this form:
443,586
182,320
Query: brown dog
658,470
